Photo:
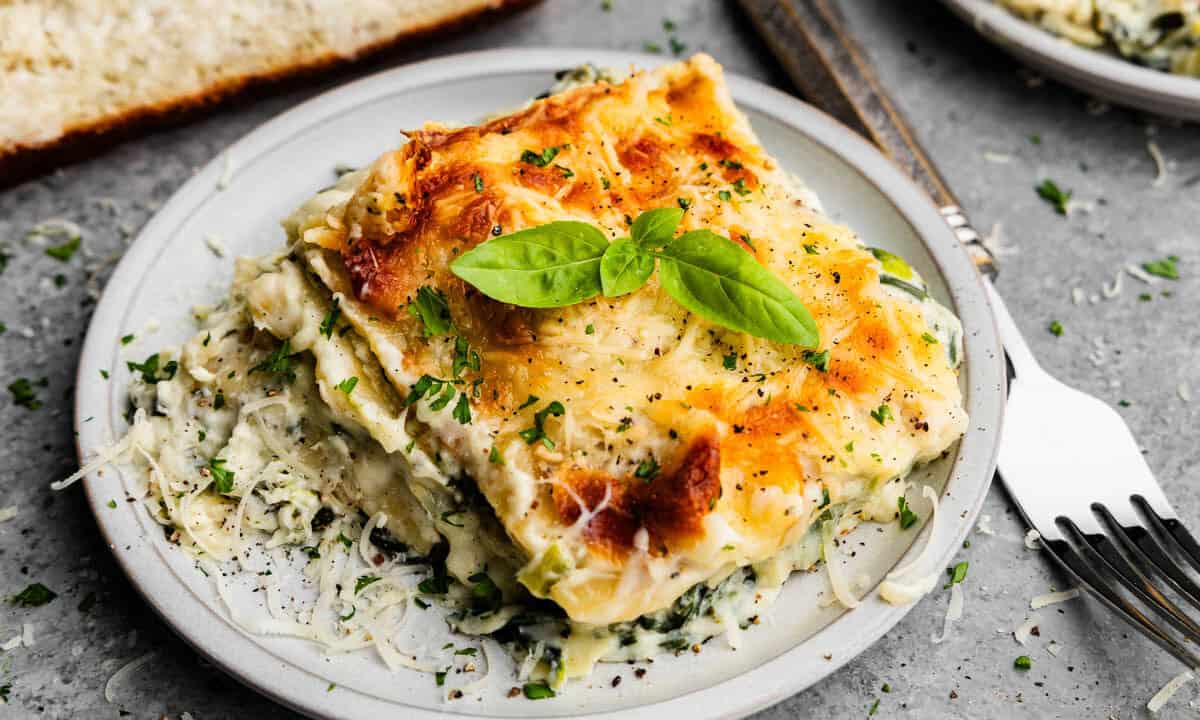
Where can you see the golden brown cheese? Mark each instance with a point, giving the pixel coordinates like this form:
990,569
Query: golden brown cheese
747,436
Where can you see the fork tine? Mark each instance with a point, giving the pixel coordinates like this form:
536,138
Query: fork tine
1070,561
1103,555
1171,528
1140,543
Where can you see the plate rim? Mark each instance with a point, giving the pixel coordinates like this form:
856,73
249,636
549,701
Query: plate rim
738,696
1086,69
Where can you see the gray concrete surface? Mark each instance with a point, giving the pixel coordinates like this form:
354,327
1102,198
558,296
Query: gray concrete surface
964,98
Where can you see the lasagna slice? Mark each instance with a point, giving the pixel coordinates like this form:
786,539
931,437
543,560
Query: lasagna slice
630,450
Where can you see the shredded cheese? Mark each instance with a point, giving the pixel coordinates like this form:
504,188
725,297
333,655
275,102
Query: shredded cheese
1052,598
1025,630
954,611
1033,540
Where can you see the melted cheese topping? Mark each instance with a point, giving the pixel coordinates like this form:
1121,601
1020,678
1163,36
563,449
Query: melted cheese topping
752,440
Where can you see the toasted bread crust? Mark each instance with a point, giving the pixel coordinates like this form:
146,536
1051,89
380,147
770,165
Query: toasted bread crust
81,141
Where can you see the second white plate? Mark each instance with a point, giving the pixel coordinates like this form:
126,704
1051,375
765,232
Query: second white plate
1095,72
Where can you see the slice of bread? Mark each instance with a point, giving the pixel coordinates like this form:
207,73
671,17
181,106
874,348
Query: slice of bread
77,75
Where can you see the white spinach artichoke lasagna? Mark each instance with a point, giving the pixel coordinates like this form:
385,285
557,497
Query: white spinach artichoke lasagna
1160,34
589,380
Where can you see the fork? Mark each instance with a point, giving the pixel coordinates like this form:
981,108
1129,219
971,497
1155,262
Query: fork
1076,473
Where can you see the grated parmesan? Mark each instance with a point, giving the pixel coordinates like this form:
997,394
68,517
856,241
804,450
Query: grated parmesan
1025,630
1168,691
8,513
123,672
954,611
1033,540
1053,598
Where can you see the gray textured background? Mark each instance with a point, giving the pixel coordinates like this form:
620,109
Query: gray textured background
964,98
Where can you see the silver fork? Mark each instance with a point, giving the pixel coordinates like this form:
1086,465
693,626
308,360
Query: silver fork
1077,475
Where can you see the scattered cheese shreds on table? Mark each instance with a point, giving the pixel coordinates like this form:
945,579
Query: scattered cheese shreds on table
1025,630
1052,598
124,671
1168,691
1033,540
984,526
8,513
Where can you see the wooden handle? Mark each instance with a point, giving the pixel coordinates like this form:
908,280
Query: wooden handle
810,40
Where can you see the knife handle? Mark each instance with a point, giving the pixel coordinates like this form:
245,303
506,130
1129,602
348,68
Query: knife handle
810,40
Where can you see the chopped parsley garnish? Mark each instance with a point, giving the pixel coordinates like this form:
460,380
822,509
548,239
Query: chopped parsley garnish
819,360
684,203
126,339
850,447
668,25
929,338
677,47
219,400
811,250
494,456
345,541
650,47
436,585
312,552
739,187
604,183
103,373
824,498
537,691
278,363
222,477
538,431
882,414
464,357
1164,268
664,121
23,393
439,677
112,504
590,329
724,195
542,159
729,362
1055,328
477,179
347,385
528,401
432,310
957,574
731,164
566,171
466,651
625,424
1035,139
363,581
462,409
873,709
1023,662
66,251
1050,192
647,469
34,595
1145,297
326,325
908,518
425,385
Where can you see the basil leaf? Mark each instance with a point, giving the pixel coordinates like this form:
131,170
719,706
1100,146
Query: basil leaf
550,265
718,280
655,228
625,267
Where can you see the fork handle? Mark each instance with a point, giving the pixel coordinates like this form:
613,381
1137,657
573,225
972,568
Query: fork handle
812,43
1024,364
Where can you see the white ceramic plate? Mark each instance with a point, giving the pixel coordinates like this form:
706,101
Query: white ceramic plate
280,164
1095,72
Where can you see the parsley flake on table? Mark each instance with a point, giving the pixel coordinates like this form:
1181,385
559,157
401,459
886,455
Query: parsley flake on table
1023,662
1050,192
66,251
957,574
24,394
35,595
1055,328
1165,268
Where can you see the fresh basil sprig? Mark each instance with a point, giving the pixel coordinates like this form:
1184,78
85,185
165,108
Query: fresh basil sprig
564,263
550,265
